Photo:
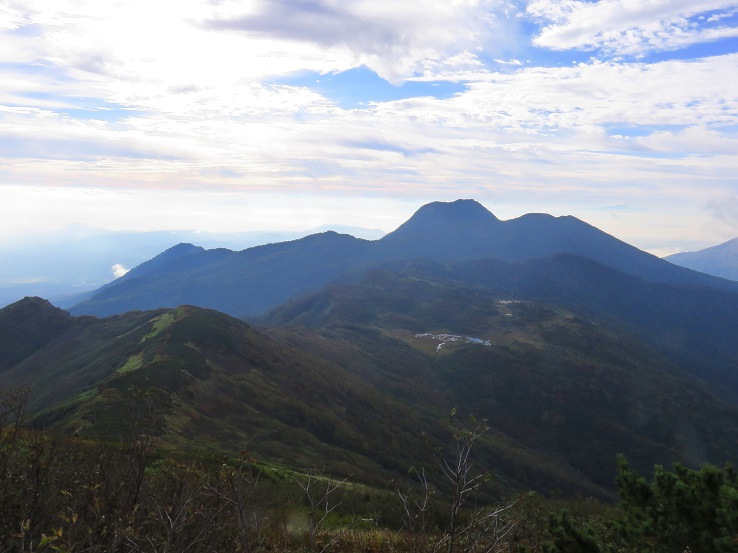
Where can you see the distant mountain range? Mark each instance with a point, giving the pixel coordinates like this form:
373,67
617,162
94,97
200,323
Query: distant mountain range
255,280
561,260
721,260
79,259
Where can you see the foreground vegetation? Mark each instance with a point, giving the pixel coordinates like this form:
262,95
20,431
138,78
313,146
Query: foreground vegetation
73,495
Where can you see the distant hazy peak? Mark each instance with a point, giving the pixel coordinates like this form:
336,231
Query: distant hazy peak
731,246
179,250
185,248
545,223
543,217
323,235
720,260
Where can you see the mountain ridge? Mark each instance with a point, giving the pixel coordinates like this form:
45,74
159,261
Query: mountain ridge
696,325
563,393
252,281
720,260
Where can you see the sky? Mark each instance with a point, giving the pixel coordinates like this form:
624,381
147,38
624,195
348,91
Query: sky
229,116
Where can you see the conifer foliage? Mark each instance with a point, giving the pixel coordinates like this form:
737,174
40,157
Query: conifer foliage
679,509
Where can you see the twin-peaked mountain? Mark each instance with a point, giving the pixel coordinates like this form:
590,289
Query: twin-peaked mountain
253,281
560,260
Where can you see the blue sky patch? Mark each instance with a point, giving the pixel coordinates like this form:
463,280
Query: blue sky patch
640,130
359,87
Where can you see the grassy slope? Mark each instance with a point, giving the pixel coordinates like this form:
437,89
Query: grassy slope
355,391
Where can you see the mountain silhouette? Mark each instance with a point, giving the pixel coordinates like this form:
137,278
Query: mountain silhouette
255,280
720,260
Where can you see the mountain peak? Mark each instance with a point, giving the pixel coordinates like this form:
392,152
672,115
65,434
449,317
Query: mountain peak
28,324
466,210
184,248
443,230
720,260
458,218
32,307
181,250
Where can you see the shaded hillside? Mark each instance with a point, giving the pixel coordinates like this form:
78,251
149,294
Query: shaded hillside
695,326
250,281
720,260
203,381
216,383
576,388
27,326
363,395
253,281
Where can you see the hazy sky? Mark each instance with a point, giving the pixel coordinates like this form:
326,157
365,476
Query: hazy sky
284,114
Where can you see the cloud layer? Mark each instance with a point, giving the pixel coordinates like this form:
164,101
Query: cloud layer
631,26
568,106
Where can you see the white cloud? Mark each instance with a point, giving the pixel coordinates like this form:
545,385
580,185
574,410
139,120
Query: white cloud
176,96
146,55
537,100
697,140
631,27
119,270
396,40
534,125
11,16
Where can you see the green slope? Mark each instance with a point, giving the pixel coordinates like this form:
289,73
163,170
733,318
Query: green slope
212,382
354,389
